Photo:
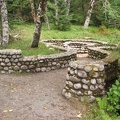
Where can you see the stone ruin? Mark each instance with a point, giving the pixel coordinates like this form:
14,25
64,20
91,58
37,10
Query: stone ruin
84,78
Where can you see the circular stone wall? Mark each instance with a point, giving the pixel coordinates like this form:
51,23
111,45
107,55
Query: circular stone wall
85,79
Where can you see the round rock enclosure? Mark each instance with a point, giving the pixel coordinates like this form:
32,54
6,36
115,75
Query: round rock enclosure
83,78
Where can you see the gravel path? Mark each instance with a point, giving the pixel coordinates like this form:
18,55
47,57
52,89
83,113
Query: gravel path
37,96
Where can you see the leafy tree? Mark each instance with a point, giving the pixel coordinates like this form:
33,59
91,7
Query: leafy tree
38,26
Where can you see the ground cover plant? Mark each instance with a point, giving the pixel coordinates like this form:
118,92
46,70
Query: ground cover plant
22,34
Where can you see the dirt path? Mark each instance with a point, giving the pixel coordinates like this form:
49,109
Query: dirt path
36,96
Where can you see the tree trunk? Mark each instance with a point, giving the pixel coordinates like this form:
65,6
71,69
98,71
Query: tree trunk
5,28
68,7
47,20
87,21
38,26
56,12
33,11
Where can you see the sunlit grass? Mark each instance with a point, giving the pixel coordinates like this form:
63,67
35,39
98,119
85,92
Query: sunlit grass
23,36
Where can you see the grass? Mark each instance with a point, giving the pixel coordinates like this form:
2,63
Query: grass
96,113
23,34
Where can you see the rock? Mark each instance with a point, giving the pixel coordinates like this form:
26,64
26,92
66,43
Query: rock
2,64
93,81
95,69
96,74
79,93
77,86
7,60
85,81
101,87
67,95
43,69
91,99
31,66
37,69
101,67
85,87
70,84
72,72
24,67
67,77
16,68
5,68
63,92
3,72
88,68
92,87
82,74
74,79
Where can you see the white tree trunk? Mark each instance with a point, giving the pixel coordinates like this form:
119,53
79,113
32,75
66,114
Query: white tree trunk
56,12
5,27
87,21
38,26
68,7
47,20
33,11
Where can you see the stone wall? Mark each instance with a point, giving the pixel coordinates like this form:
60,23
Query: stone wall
12,61
85,79
90,78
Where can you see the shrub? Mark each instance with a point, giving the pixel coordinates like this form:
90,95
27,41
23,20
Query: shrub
113,98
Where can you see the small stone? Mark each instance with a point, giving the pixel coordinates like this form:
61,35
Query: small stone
7,60
85,81
54,63
93,81
24,67
85,87
37,69
95,69
68,95
101,67
76,72
70,84
77,86
31,66
96,74
91,99
74,79
63,92
72,72
2,64
79,93
3,72
43,69
16,68
5,68
101,87
92,87
88,68
82,74
67,77
10,71
89,92
99,81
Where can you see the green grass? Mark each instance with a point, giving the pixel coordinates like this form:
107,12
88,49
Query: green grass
23,36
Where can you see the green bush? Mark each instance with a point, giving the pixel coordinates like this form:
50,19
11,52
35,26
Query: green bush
113,98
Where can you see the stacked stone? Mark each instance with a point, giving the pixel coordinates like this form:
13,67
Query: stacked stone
12,61
9,59
97,53
84,80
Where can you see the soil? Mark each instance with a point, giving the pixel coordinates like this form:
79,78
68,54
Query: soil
37,96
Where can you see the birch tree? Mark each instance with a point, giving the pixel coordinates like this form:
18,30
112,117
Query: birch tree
4,19
56,12
33,10
87,21
38,26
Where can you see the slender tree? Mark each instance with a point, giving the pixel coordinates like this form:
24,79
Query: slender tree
56,12
87,21
33,11
5,31
38,26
